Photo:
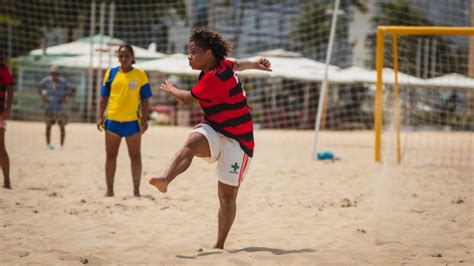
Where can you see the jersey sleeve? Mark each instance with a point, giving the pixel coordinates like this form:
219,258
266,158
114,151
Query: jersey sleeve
229,63
105,92
7,78
145,89
208,88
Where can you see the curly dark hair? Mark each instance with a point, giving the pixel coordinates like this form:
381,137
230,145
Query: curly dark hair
207,39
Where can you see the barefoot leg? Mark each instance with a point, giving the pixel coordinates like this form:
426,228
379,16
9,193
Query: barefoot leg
161,183
227,211
196,145
112,144
4,161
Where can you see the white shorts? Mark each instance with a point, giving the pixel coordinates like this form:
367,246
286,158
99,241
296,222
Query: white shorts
232,161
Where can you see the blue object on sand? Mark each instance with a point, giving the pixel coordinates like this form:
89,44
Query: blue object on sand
327,155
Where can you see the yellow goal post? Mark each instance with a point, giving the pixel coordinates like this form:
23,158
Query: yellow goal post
395,32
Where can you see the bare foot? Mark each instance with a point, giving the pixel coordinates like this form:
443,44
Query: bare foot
161,183
217,246
7,186
109,194
136,194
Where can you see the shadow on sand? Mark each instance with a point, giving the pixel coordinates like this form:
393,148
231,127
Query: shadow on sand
275,251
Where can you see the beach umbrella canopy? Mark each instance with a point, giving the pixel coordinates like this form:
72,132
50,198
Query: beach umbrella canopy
178,64
453,80
103,61
100,43
291,65
170,64
356,74
353,74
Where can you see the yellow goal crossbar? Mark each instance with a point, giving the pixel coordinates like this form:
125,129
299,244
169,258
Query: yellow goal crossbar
395,31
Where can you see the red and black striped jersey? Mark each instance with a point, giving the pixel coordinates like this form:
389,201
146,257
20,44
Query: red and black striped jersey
223,100
6,79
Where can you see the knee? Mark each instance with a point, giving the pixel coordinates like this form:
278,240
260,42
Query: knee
3,152
135,156
111,156
227,202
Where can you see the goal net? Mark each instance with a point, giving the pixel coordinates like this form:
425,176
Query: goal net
81,37
424,111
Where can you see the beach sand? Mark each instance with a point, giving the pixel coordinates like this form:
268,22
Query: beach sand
290,209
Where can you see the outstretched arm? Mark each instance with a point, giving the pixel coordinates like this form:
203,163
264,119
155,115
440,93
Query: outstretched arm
181,95
260,64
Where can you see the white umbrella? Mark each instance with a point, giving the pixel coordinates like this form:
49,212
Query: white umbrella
178,64
357,74
171,64
353,74
453,80
403,79
104,44
299,68
83,61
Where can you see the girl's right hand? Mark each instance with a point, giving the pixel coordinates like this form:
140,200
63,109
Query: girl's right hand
100,124
167,86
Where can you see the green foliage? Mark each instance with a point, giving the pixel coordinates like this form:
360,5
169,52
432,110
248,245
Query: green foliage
399,13
314,25
313,28
29,20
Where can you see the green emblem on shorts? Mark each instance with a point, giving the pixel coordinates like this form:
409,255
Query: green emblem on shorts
234,167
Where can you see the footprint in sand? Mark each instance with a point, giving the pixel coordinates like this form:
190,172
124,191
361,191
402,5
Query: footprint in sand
238,262
20,253
150,197
37,188
53,194
458,201
82,259
110,235
7,224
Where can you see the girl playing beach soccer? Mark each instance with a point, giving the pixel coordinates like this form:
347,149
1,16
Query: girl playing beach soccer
225,135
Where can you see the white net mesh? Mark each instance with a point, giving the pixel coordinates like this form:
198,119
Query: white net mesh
435,98
293,34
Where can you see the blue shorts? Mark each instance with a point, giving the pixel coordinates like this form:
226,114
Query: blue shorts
123,129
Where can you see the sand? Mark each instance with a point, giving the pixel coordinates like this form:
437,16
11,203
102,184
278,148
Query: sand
291,209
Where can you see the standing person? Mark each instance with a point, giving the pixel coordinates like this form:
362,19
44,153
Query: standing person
55,91
6,100
226,134
125,91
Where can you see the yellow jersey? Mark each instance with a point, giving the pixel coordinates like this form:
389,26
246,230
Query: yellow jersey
125,92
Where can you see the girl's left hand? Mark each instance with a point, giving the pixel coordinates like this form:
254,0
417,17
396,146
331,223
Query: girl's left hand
263,64
144,126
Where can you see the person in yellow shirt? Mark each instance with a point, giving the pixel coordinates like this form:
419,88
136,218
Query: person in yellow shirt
125,93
